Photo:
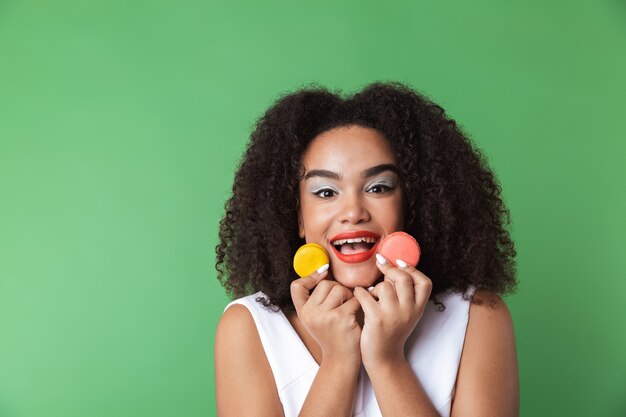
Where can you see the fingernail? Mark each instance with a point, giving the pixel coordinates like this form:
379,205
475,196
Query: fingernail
401,263
322,268
370,288
380,259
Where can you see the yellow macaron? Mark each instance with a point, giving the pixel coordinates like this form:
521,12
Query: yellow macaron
309,258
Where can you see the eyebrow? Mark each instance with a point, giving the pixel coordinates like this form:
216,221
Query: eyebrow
369,172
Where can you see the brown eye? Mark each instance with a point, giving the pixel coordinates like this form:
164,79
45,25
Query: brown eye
325,193
379,188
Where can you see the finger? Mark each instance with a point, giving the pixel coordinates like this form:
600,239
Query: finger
336,297
301,288
388,269
383,264
376,290
403,284
402,277
350,306
422,285
386,293
322,290
368,303
405,290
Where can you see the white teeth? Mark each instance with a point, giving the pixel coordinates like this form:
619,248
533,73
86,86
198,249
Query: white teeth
355,240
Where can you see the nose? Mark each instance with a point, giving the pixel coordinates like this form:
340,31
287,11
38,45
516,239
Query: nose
353,210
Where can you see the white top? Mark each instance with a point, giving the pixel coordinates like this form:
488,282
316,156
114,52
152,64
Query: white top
433,350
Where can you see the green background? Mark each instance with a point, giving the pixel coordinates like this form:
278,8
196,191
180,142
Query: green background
121,124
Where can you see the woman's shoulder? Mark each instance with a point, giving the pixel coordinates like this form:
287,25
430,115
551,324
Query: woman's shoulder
489,304
249,301
237,324
247,318
489,315
474,300
488,374
241,365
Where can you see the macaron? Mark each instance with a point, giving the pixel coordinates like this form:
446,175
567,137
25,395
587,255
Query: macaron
400,245
309,258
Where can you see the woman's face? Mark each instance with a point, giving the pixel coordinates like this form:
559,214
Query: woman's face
351,190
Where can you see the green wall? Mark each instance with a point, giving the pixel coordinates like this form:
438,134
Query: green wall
121,124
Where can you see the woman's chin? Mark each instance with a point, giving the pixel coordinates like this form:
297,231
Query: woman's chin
353,279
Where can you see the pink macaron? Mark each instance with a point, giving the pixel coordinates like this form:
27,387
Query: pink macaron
400,245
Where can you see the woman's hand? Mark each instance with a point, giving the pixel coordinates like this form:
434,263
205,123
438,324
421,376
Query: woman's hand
329,315
392,310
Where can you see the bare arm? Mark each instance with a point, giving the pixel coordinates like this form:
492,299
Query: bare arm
488,383
399,392
392,309
332,392
244,383
329,315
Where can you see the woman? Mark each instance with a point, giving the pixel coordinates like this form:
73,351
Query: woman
361,336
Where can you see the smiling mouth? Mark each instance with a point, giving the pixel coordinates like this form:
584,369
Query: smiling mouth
355,250
353,246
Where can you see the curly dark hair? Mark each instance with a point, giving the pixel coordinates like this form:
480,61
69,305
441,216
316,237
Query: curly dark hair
452,198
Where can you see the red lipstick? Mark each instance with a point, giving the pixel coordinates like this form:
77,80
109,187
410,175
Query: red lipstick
356,257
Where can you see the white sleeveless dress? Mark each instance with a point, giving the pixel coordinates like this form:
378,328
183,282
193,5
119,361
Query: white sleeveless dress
433,350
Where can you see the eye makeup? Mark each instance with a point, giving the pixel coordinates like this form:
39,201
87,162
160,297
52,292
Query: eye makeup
318,188
389,181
